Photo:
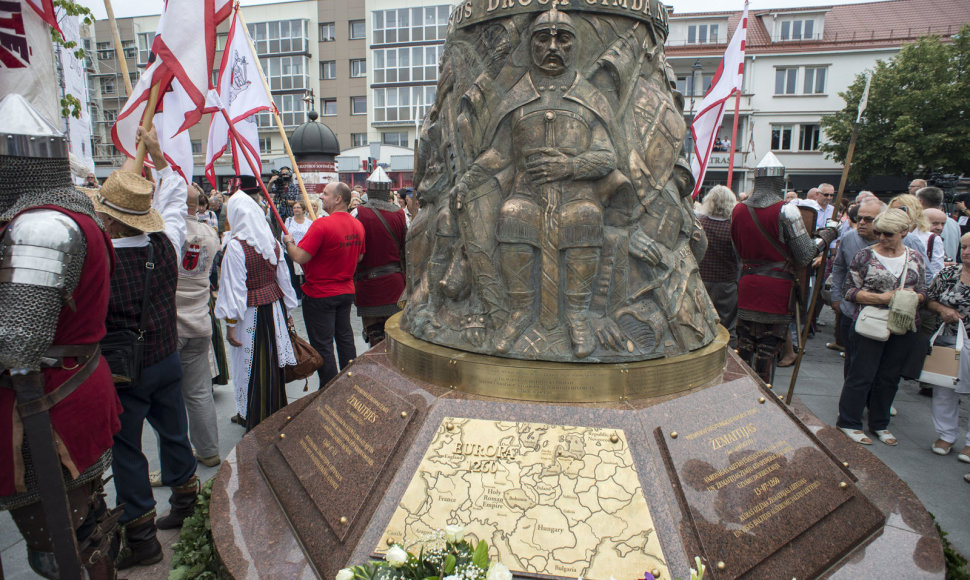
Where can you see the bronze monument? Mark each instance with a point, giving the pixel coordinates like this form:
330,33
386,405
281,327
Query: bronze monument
556,221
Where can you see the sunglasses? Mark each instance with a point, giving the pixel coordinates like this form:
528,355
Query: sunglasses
886,234
866,218
828,195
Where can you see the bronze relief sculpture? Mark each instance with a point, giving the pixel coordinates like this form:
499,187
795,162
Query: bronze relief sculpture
556,220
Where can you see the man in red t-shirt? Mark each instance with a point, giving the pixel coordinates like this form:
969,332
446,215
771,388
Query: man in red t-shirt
329,253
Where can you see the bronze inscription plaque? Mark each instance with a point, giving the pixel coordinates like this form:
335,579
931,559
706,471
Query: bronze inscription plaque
553,499
749,479
338,446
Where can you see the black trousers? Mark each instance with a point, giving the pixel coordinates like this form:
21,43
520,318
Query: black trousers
872,378
328,320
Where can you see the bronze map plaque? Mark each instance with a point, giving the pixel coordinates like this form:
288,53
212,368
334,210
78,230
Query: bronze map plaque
553,499
338,446
751,479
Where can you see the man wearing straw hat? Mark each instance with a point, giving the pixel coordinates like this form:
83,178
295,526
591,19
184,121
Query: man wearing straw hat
147,238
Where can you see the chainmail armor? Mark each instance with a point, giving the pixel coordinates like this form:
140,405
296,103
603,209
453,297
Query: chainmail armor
18,500
28,316
767,191
381,204
27,182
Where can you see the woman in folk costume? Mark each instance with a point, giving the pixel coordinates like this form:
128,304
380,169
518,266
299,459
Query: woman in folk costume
253,287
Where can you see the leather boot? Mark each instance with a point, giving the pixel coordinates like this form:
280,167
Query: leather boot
183,504
141,547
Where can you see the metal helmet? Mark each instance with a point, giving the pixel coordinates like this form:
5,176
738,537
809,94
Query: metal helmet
553,19
769,166
379,185
35,168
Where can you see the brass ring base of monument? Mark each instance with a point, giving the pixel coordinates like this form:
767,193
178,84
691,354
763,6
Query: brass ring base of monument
553,382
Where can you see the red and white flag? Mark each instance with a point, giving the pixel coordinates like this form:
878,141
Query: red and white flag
182,55
726,82
239,95
45,8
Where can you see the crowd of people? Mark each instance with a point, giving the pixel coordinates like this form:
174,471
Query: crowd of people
166,269
904,258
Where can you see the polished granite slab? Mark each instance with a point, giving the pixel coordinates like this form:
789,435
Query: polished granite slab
874,526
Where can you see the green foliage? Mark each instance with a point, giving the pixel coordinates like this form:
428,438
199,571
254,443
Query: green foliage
70,106
195,553
437,559
917,113
956,564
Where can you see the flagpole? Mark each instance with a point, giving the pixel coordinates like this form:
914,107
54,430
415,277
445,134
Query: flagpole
734,135
146,123
122,61
838,200
253,167
279,122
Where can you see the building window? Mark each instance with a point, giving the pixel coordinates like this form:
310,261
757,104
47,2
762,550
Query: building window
286,72
808,138
265,145
702,34
280,36
358,68
785,80
358,30
221,40
411,24
797,29
401,104
814,80
292,111
358,105
402,65
781,137
110,116
326,32
358,139
196,147
328,107
144,46
685,84
128,47
399,139
105,51
328,70
108,86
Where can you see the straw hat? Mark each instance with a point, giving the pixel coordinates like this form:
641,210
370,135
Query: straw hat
127,197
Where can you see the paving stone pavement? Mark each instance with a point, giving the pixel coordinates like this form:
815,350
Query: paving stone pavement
937,481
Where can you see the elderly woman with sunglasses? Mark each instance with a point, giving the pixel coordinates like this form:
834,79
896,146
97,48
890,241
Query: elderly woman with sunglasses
949,296
875,275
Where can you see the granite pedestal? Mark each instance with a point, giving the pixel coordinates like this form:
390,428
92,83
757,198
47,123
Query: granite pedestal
727,472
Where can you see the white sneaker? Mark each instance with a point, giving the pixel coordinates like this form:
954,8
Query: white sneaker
892,411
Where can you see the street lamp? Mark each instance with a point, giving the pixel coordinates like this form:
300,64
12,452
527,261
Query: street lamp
694,68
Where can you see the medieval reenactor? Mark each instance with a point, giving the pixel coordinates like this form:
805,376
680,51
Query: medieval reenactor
58,405
772,242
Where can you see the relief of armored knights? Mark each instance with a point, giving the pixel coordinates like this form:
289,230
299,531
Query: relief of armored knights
557,221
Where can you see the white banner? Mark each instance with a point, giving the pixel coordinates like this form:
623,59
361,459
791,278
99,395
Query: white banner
27,59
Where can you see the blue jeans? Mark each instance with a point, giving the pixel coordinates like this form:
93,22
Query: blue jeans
158,398
328,320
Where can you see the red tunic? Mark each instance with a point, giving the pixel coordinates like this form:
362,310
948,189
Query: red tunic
87,419
381,250
760,293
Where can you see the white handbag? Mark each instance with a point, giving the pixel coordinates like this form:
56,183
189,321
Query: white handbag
873,321
942,366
